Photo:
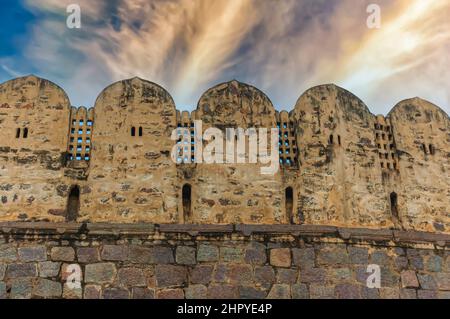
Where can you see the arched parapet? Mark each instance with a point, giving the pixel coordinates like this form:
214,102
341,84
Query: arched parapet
131,169
235,104
422,134
38,107
340,178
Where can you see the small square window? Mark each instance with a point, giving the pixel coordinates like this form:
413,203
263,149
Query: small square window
89,123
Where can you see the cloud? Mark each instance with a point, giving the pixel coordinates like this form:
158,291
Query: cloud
281,46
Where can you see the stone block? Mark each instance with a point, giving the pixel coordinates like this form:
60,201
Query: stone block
47,288
312,275
280,257
279,291
255,253
88,255
8,253
170,294
35,253
170,275
409,279
299,291
247,292
223,292
358,255
207,253
92,292
347,291
142,293
100,273
116,293
264,276
320,291
114,252
62,254
232,254
196,292
286,276
21,270
131,277
49,269
185,255
21,288
303,257
201,274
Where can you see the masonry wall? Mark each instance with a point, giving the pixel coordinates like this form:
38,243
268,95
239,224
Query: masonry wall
173,261
132,178
34,119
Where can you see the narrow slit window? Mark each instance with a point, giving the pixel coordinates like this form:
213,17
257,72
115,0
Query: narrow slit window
25,132
339,139
394,204
140,130
330,140
187,199
133,131
73,204
289,202
431,148
17,132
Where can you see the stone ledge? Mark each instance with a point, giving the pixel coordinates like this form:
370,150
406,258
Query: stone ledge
377,235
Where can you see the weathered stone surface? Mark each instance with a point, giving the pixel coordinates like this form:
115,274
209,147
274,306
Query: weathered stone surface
21,288
142,293
332,256
152,255
389,293
318,291
49,269
380,258
427,282
131,277
100,273
196,292
409,279
443,281
299,291
358,255
279,291
426,294
434,263
231,254
114,252
312,275
348,291
88,255
408,294
8,253
2,271
223,292
116,293
63,254
170,275
92,292
21,270
247,292
207,253
36,253
304,257
264,276
201,274
185,255
286,276
47,288
255,253
170,294
70,292
280,257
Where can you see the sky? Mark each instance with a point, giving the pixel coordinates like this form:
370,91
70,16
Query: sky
283,47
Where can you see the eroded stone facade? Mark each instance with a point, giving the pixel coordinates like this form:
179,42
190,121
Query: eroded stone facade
340,164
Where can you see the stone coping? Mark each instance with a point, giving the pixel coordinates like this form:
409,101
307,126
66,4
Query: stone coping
142,229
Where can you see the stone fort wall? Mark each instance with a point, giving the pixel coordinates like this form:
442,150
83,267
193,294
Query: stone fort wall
219,261
341,165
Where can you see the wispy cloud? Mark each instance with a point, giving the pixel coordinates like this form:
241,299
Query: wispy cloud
281,46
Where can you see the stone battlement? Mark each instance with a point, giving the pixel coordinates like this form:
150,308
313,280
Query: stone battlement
340,165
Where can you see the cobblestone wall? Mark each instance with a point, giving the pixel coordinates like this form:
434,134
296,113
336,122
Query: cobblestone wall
178,261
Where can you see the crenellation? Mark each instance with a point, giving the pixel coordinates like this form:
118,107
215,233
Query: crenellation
340,165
